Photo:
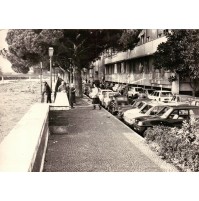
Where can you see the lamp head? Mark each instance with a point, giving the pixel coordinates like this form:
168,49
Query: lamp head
50,51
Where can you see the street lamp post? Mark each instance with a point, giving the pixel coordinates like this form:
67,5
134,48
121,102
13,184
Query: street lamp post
51,50
41,76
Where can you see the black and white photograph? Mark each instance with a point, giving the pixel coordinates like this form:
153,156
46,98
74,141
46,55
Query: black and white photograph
85,99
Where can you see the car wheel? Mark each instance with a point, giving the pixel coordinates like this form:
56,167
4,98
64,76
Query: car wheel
143,133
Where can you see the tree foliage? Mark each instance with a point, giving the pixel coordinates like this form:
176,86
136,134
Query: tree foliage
129,39
180,54
30,46
78,47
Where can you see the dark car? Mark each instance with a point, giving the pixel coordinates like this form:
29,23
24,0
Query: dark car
172,116
117,103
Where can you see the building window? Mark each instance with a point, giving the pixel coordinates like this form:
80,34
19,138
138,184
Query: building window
124,66
146,66
112,69
140,67
127,67
118,68
131,66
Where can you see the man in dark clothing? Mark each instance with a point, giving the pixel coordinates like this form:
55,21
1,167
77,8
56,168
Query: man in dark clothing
47,93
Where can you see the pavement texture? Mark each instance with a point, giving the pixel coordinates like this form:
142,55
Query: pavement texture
96,141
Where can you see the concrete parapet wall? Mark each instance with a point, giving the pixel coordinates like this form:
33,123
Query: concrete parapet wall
146,49
23,149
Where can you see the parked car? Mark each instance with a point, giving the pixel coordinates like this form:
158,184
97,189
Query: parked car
136,106
151,108
182,98
172,116
118,103
194,102
108,97
161,95
147,109
148,91
102,92
132,91
137,102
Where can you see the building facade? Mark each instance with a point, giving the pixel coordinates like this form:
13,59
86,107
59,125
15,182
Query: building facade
136,67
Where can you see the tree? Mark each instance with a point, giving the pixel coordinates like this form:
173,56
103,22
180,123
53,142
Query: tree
77,47
180,55
129,39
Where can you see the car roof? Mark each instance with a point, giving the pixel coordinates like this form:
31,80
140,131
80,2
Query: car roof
155,103
108,90
161,91
150,89
184,106
135,87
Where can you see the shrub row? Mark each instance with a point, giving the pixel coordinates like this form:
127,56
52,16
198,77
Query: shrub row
179,146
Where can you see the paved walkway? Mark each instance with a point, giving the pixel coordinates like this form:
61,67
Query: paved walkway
95,141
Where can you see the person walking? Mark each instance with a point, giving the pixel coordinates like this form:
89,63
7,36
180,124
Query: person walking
46,94
95,97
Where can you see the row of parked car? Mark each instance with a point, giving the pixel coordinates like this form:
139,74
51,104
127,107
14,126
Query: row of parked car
157,108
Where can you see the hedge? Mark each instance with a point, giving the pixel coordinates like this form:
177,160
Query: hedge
179,146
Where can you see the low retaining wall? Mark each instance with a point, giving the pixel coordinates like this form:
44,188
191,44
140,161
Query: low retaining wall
23,149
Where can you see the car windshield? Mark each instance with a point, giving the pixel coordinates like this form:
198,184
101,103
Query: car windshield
145,109
139,105
163,94
152,94
150,91
138,89
167,111
154,110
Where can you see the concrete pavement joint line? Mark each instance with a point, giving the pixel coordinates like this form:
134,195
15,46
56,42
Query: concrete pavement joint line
133,137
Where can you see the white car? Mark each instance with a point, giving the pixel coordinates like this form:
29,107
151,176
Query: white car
161,95
151,108
102,93
134,111
134,90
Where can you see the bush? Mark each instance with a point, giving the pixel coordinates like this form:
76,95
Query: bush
177,146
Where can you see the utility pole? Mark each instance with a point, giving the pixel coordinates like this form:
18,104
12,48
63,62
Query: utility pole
41,75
